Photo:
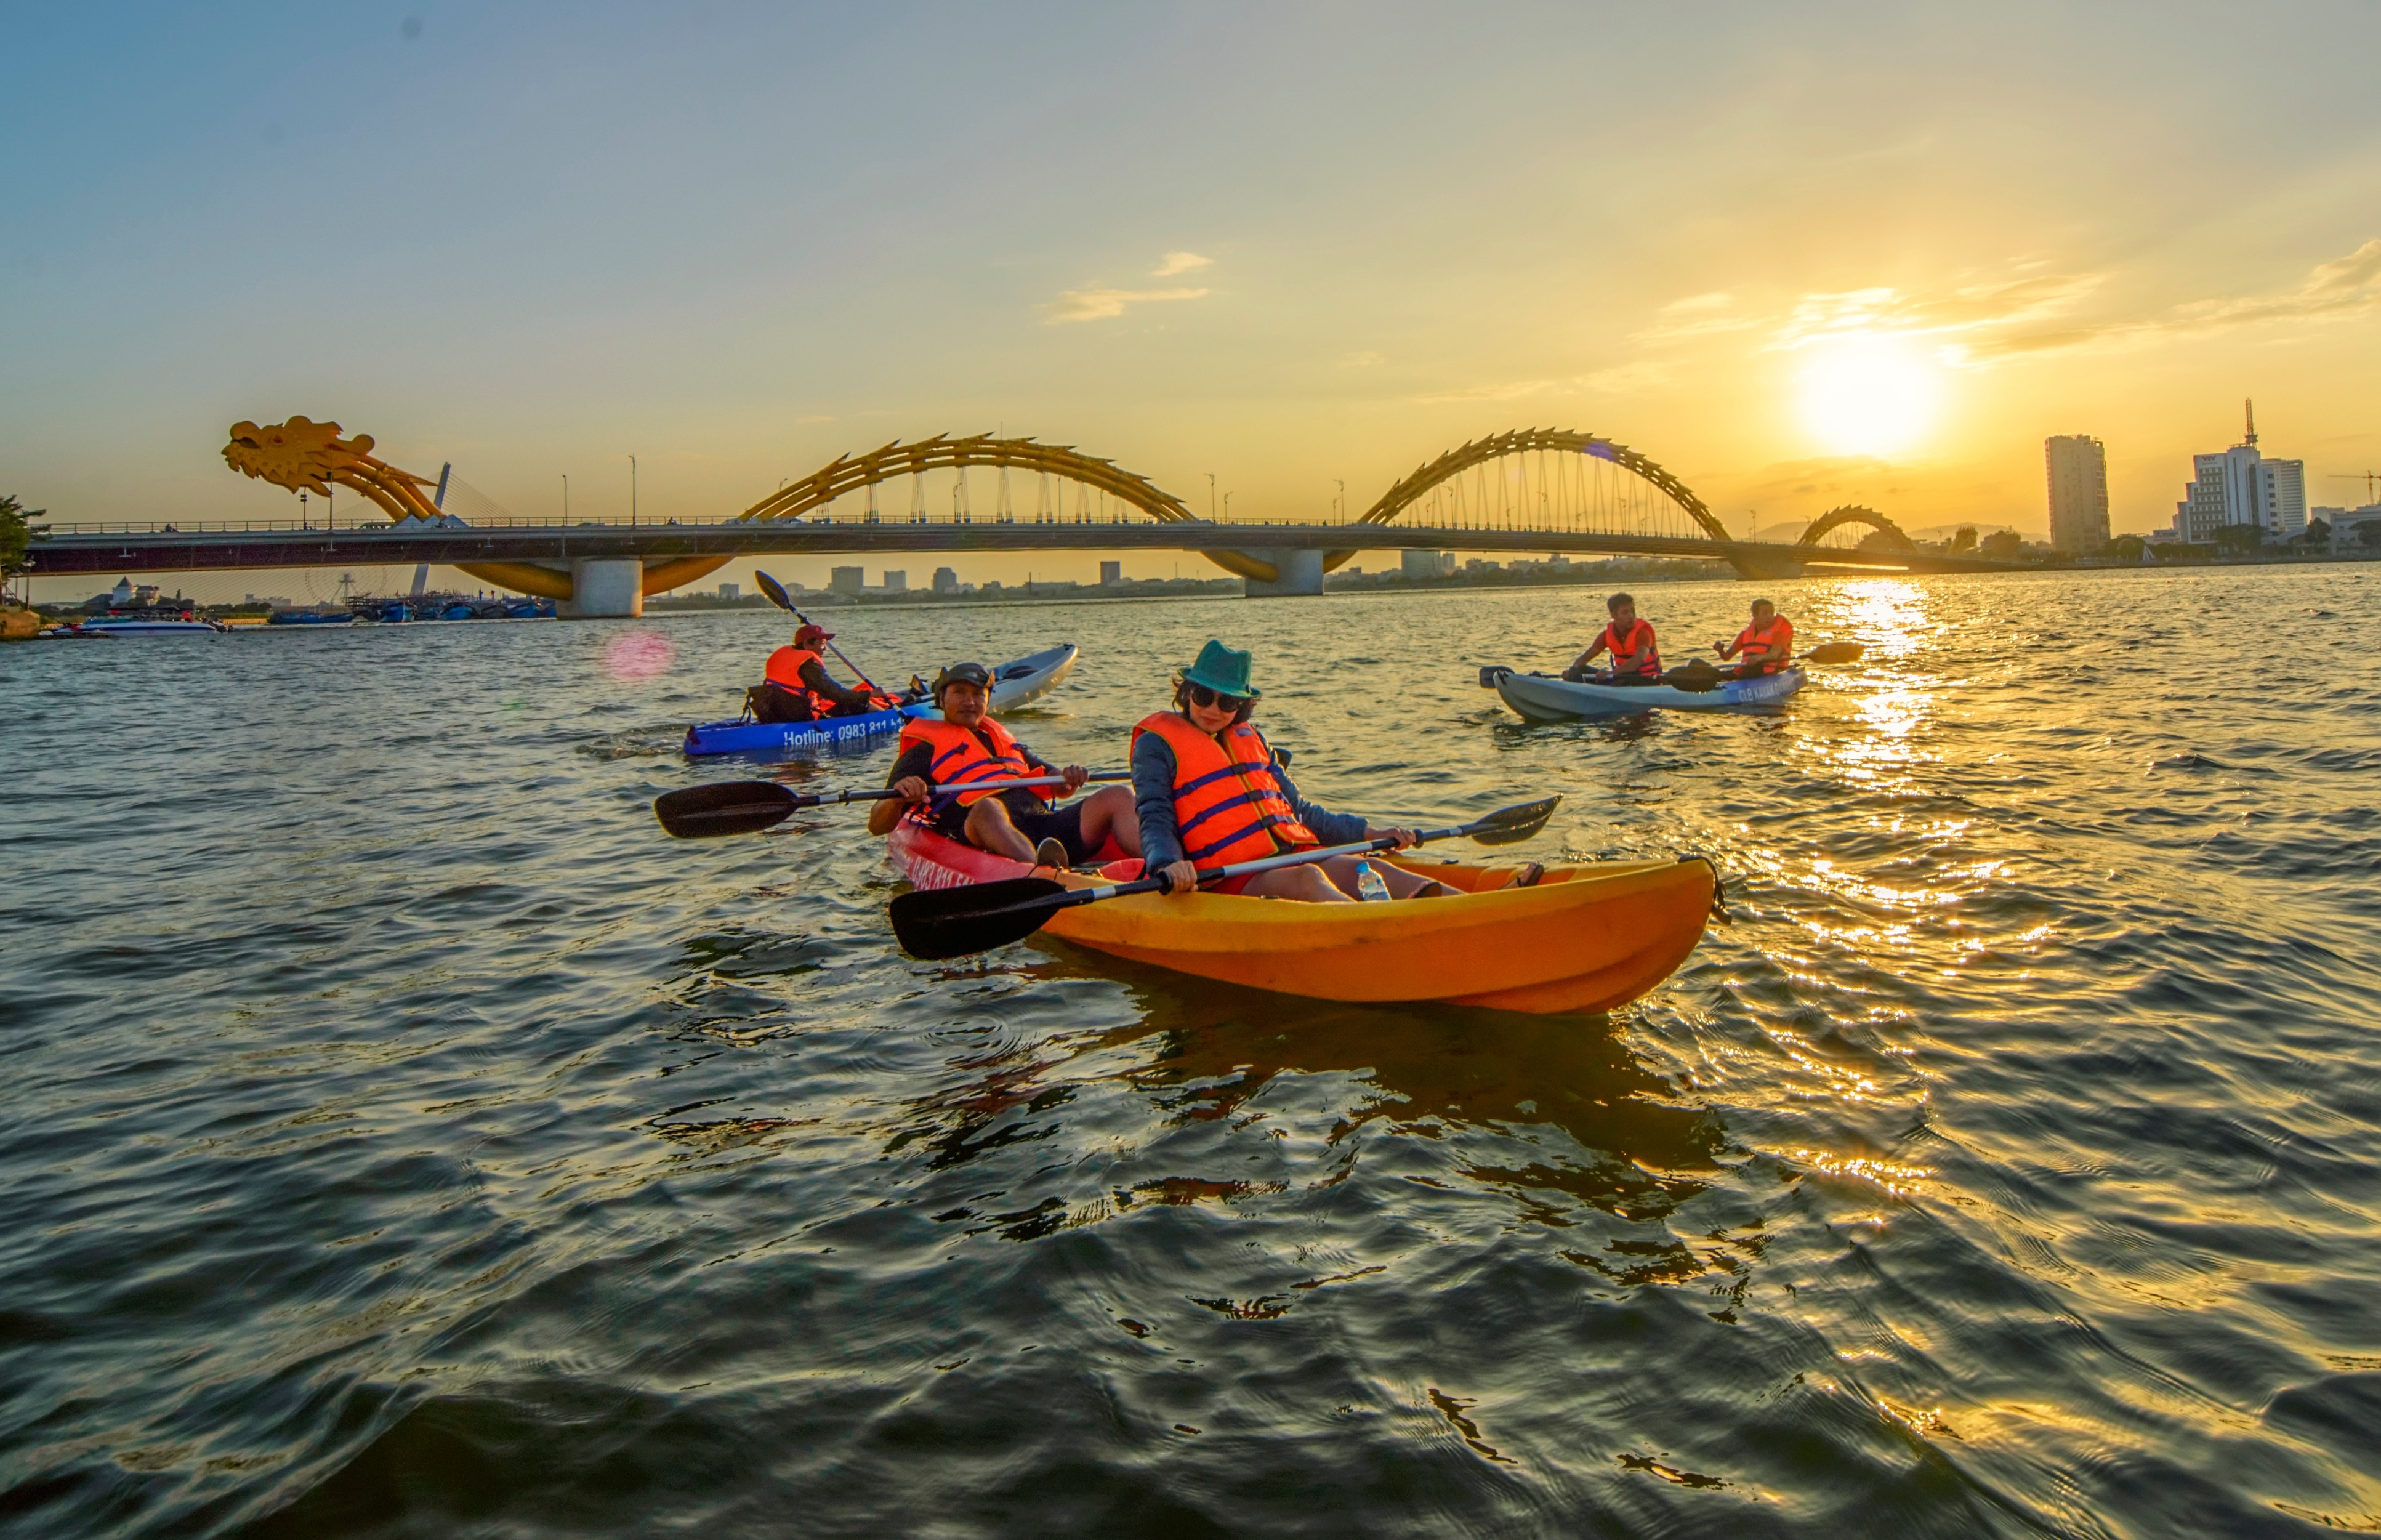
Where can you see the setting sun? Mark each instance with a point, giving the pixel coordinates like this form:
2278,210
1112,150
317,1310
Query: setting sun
1865,394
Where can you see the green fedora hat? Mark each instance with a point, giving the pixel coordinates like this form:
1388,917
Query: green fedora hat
1222,668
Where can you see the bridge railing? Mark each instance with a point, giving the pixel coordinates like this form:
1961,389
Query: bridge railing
375,523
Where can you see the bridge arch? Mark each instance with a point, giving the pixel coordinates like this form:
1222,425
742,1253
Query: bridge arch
1852,513
1456,462
848,473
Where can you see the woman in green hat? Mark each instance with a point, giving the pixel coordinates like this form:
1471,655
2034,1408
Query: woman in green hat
1209,792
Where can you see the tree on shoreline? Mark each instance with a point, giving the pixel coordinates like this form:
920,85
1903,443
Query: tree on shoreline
16,532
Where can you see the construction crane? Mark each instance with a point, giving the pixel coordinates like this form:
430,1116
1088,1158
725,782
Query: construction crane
2368,477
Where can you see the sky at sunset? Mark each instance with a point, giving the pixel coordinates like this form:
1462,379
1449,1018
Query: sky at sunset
1801,255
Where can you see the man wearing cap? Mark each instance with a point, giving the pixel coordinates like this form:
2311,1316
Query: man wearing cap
938,758
797,687
1210,791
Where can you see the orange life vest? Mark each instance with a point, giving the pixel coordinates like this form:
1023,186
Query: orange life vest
960,757
1779,631
1639,644
1228,805
784,671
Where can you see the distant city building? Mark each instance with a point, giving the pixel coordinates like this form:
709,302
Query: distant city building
731,591
896,582
1426,564
2354,532
846,580
2078,492
2240,487
1111,572
946,581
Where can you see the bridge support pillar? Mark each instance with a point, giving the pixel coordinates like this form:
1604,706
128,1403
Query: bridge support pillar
1302,575
604,589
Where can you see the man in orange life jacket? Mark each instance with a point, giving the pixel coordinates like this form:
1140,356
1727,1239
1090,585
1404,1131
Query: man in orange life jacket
967,745
1635,659
1767,645
1211,792
797,687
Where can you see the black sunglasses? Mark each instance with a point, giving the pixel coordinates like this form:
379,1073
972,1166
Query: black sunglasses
1203,696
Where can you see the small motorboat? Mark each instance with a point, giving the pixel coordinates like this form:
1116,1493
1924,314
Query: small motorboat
1545,698
132,626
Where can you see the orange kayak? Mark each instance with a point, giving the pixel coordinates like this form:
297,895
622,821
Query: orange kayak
1586,937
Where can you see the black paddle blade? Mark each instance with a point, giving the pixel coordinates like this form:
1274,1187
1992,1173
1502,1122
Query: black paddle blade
937,923
1834,651
1512,825
1696,679
725,807
774,589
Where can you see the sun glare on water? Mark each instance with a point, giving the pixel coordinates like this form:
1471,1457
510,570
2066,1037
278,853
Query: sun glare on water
1865,394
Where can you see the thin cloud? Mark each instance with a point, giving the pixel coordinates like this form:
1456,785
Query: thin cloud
1107,304
1180,261
1696,315
1984,323
1363,360
1641,374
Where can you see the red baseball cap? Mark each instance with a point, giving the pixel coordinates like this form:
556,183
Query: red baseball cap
811,633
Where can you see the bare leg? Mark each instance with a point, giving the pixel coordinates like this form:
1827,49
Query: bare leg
1304,883
1109,810
1342,870
988,829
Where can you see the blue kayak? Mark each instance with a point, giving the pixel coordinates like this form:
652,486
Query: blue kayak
1014,684
778,739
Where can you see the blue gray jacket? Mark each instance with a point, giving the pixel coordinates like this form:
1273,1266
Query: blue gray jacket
1153,795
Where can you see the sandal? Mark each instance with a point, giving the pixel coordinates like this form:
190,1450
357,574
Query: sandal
1527,876
1053,854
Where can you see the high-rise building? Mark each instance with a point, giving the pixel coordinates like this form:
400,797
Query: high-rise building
896,582
846,580
729,591
2240,487
1426,564
1111,572
2078,492
946,581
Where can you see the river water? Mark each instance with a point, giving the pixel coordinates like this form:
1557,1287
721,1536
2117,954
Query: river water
402,1136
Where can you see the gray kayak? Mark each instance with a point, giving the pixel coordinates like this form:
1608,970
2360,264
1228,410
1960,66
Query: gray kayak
1545,698
1025,680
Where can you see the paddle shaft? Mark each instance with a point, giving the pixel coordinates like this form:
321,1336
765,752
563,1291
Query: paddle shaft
1247,868
778,596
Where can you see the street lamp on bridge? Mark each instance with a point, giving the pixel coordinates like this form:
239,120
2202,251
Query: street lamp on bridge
632,489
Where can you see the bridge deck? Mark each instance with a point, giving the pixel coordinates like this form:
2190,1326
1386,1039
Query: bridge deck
68,550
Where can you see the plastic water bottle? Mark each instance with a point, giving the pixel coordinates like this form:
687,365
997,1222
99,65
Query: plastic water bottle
1369,886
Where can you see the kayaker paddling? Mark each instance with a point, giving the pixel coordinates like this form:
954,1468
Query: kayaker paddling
796,686
1636,660
968,745
1211,791
1766,646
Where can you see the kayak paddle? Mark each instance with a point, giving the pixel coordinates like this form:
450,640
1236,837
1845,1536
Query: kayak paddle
936,923
784,601
748,807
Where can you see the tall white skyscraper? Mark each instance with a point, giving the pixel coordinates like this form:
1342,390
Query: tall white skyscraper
2078,492
2242,487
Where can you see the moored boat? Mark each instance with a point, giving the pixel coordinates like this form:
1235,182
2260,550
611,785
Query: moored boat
136,627
1545,698
1585,939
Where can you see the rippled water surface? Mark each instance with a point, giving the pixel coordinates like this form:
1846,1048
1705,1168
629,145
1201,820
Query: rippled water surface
403,1137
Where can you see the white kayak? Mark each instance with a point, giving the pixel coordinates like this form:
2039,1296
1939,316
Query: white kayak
1026,681
1546,697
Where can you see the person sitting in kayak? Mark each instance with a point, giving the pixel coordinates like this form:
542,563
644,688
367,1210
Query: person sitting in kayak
1636,658
1212,792
797,687
1766,646
968,745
